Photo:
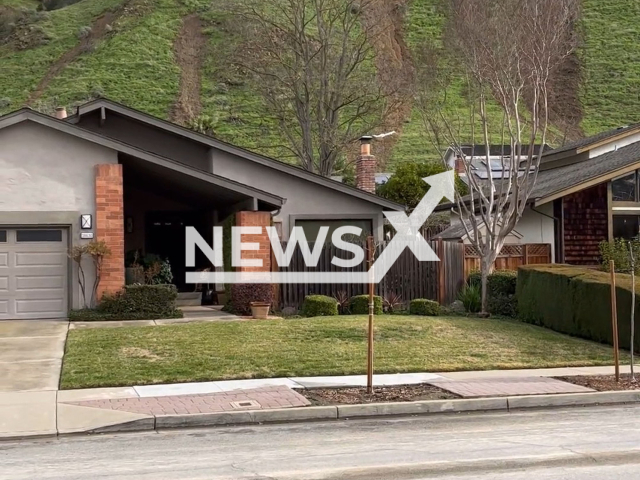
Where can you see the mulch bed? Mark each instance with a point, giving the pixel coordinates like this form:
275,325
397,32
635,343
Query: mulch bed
604,383
350,396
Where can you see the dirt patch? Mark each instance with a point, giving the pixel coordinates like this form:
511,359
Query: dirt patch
385,21
351,396
604,383
189,51
19,28
141,353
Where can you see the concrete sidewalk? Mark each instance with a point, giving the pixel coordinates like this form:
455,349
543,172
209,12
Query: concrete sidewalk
25,414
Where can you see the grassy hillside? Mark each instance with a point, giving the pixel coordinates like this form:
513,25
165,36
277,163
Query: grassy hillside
126,50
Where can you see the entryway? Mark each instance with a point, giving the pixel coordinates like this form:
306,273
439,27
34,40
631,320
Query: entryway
34,266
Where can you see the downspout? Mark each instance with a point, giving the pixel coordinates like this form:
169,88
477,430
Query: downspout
557,227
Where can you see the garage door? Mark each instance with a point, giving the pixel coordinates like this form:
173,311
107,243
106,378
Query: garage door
33,273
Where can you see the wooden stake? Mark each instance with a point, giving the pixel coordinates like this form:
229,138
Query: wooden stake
614,319
371,313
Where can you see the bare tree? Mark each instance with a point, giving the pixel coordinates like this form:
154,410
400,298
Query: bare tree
507,52
313,62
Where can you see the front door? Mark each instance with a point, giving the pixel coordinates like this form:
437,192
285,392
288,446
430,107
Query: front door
165,237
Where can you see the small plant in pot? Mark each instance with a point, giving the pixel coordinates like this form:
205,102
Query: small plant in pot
254,299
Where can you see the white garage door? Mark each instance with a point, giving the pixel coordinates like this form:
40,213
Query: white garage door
33,273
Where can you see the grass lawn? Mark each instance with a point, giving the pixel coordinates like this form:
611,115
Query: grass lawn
314,346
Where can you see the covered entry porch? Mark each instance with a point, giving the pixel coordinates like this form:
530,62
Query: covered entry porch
162,198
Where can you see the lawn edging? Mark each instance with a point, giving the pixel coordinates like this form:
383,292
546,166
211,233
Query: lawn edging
371,410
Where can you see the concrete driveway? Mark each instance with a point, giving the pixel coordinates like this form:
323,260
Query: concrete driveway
31,354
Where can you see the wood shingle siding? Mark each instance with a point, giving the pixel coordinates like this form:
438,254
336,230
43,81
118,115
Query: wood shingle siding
585,225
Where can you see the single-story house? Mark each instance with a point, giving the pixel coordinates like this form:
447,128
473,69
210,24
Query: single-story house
112,173
587,192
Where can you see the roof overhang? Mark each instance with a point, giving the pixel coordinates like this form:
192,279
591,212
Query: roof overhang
268,200
105,105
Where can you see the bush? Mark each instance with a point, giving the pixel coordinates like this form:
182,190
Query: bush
576,301
243,294
141,302
422,306
501,291
359,305
618,251
319,306
471,297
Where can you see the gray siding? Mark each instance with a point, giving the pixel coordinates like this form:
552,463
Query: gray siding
148,138
48,178
305,199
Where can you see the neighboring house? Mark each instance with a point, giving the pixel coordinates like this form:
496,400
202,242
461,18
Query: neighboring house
587,192
142,180
476,157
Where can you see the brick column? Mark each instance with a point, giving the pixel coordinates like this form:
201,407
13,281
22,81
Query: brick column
256,219
110,225
366,167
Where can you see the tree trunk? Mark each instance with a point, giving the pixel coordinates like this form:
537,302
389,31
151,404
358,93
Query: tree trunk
485,270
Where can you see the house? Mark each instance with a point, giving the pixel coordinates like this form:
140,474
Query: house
115,174
587,192
476,157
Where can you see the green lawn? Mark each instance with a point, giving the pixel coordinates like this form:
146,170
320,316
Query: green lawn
315,346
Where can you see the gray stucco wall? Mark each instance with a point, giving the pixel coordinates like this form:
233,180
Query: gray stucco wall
148,138
48,178
305,199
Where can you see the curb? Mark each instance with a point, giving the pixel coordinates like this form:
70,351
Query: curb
342,412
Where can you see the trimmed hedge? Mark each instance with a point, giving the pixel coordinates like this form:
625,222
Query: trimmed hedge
422,306
135,302
319,306
576,301
242,294
501,291
359,305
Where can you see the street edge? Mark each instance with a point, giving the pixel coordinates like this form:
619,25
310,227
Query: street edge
344,412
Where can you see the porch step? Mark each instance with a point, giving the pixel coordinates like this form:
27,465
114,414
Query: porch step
189,299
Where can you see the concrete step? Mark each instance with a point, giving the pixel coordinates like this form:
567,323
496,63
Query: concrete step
189,299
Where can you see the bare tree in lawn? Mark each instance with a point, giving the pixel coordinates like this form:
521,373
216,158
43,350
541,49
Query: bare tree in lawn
505,53
313,62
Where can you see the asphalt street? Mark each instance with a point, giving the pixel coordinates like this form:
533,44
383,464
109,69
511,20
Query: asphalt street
600,443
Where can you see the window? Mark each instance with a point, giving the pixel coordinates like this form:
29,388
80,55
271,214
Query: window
625,189
311,228
626,226
3,236
39,236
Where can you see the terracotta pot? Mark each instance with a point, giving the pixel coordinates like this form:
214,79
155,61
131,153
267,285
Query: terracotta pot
260,310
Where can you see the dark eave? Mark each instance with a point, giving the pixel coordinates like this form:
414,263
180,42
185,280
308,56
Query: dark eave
232,149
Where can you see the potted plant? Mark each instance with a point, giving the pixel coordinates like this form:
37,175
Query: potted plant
260,310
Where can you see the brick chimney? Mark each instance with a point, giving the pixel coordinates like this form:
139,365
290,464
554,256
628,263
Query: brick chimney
366,167
459,166
61,113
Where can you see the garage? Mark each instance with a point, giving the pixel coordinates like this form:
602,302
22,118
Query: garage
34,269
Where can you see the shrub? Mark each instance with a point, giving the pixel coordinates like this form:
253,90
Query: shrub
141,302
243,294
618,251
422,306
471,297
319,306
392,302
576,301
501,291
359,305
343,302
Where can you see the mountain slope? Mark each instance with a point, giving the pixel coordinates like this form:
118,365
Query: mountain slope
168,58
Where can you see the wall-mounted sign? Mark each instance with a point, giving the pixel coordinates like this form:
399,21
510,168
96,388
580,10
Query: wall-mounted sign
86,222
86,235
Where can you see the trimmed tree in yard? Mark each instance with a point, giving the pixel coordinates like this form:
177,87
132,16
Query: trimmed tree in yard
509,52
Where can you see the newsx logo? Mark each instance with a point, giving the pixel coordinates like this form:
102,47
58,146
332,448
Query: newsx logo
407,236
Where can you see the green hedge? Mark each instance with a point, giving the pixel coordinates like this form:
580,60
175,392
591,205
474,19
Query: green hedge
359,305
134,302
576,301
319,306
422,306
501,291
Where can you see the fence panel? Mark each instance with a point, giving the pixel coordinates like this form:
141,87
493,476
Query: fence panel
511,257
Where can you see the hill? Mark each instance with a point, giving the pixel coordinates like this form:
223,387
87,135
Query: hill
169,58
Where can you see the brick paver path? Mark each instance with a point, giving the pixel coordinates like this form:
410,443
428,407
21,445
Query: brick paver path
491,387
237,400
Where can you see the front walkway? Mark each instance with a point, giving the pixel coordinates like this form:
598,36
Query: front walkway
70,411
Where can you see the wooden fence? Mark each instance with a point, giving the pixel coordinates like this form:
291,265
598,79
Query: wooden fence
511,257
407,278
